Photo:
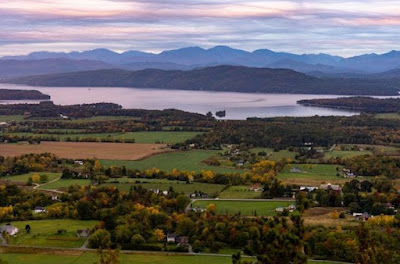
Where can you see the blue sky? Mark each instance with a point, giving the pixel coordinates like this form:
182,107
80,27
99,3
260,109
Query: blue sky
330,26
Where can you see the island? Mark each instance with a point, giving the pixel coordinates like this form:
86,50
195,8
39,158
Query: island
9,94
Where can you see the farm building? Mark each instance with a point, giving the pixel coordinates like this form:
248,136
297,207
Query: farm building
11,230
83,233
39,210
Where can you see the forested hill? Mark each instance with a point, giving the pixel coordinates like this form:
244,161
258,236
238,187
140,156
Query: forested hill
364,104
218,78
8,94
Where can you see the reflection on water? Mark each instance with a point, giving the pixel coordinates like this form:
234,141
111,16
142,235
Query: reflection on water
237,105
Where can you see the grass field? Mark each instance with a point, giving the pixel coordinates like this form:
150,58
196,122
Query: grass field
388,115
8,118
239,192
167,137
84,258
276,155
244,207
44,233
345,154
164,185
182,160
63,184
311,174
84,150
25,177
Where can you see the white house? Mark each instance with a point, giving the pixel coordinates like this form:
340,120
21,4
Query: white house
11,230
39,210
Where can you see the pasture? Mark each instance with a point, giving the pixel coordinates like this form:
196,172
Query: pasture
164,185
167,137
312,174
239,192
25,177
78,257
44,233
86,150
182,160
9,118
264,208
63,184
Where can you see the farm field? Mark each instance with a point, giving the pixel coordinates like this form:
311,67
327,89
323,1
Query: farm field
63,184
388,115
312,174
275,155
44,233
25,177
239,192
181,160
164,185
244,207
323,216
345,154
86,257
85,150
8,118
167,137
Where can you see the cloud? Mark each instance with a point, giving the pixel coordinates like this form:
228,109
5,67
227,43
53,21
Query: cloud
335,26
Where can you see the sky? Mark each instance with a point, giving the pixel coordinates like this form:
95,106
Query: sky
336,27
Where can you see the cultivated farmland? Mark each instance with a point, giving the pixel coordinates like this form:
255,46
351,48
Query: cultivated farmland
86,150
265,208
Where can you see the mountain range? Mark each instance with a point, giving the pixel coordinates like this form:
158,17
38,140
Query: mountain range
196,57
220,78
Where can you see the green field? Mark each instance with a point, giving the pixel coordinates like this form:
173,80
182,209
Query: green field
319,172
167,137
265,208
239,192
164,185
84,258
388,115
276,155
64,183
8,118
181,160
25,177
345,154
44,233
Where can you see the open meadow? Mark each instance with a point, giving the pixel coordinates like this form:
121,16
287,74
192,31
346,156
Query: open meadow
44,233
312,174
78,257
249,208
182,160
86,150
63,184
150,137
239,192
164,185
23,178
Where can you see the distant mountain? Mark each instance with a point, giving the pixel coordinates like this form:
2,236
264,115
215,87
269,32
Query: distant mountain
218,78
17,68
196,57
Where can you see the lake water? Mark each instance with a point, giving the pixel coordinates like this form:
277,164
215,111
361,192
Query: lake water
237,105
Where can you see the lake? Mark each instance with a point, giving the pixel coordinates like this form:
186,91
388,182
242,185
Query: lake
237,105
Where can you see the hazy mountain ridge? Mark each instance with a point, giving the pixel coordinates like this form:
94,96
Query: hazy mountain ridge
218,78
192,57
17,68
